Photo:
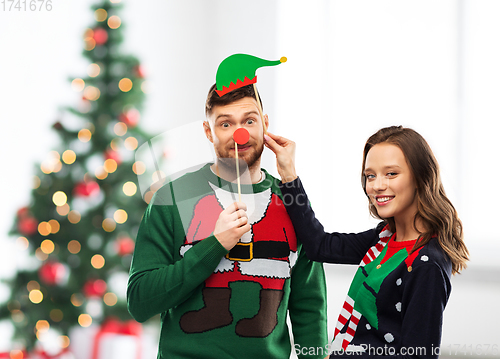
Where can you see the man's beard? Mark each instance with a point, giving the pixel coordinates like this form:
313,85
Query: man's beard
245,163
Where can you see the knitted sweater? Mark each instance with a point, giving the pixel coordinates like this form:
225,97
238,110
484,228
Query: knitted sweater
394,307
219,304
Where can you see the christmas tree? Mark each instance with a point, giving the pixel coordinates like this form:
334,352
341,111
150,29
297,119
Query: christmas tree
85,207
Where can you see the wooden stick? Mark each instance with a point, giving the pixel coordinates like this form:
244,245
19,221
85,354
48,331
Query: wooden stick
237,171
260,108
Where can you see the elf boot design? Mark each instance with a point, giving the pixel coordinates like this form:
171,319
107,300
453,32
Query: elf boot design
215,313
264,322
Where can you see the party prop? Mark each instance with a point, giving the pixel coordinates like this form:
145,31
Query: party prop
238,70
240,136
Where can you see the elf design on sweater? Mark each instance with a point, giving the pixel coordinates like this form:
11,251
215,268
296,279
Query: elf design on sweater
264,255
216,303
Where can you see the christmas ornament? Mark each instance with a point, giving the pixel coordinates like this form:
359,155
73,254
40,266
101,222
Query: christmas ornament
87,189
52,273
27,225
100,36
94,288
139,71
130,117
125,246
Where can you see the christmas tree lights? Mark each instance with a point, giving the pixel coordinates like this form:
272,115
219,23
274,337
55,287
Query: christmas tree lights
85,208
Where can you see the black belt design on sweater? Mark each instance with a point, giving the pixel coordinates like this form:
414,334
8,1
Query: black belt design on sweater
262,249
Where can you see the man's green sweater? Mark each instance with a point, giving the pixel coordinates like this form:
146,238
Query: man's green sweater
219,304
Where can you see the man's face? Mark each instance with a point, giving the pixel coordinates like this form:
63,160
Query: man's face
224,120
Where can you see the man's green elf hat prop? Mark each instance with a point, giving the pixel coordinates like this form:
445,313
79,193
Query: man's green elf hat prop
238,70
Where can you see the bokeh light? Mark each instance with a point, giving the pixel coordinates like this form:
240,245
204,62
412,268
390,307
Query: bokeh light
54,226
93,70
77,85
22,243
120,129
56,315
76,299
44,228
84,320
110,299
64,341
32,285
139,168
129,188
16,354
101,173
91,93
36,182
131,143
40,255
42,325
110,165
69,157
109,225
125,84
47,246
97,261
74,217
114,22
100,15
74,246
59,198
36,296
84,135
120,216
63,210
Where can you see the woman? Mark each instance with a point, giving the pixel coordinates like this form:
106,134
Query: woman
395,303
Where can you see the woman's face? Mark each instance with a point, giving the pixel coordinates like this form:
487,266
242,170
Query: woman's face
390,184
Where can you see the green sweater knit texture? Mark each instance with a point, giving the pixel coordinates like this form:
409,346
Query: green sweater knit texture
219,304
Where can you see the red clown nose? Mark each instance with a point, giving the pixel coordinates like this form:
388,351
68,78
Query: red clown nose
241,136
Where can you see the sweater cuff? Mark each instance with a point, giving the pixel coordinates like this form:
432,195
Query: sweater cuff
210,251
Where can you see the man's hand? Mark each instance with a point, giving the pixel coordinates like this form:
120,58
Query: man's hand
284,149
231,225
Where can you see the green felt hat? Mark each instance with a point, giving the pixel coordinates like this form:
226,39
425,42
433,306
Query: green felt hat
238,70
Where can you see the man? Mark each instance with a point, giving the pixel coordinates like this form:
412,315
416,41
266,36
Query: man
223,273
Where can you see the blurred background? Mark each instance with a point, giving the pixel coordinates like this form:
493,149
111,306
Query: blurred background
353,67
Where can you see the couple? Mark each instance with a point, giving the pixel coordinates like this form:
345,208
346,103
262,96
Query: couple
224,273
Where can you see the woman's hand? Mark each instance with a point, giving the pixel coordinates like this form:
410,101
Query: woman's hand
284,149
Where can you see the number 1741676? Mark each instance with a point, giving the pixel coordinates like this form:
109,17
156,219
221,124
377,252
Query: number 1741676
26,5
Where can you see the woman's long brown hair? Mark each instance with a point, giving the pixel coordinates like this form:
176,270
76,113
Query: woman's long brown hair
435,210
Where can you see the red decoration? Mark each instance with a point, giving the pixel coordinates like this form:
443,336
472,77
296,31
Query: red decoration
27,224
130,117
87,189
113,155
125,246
241,136
114,326
52,273
95,288
100,36
139,71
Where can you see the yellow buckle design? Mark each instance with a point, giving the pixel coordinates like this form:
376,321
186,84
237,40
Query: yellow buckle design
243,247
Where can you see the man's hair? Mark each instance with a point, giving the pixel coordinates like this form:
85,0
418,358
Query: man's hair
213,98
